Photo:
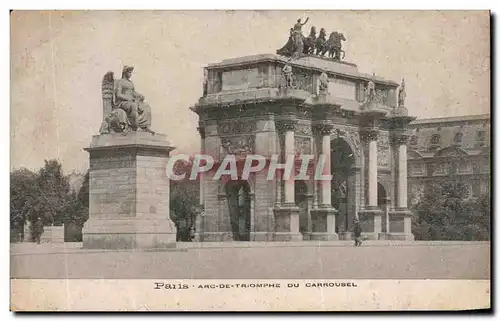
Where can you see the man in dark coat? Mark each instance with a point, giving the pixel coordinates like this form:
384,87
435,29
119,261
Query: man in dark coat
38,230
357,232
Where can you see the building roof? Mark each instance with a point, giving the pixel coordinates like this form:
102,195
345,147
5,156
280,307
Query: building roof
422,121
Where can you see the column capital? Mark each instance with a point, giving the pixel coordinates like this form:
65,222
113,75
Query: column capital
400,139
201,131
286,125
323,128
369,134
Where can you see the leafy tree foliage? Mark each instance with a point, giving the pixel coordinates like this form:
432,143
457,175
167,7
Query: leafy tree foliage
45,195
446,213
22,193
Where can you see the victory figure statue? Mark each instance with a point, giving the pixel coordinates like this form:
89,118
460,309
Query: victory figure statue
402,94
124,108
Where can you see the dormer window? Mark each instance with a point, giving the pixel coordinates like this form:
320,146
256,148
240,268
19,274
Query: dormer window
435,141
457,140
414,140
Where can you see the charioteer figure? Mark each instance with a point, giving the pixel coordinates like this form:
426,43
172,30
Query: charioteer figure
298,37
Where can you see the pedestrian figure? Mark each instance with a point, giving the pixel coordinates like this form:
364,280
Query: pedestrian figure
357,233
38,230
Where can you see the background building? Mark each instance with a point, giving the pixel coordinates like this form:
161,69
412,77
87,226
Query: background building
451,146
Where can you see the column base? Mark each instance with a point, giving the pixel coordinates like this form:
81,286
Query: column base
323,224
131,233
286,224
400,228
371,222
346,236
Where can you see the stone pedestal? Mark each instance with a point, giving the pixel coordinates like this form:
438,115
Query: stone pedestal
286,224
27,232
52,234
400,225
129,193
371,222
346,236
323,224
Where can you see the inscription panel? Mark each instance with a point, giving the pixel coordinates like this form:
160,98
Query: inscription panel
340,88
241,79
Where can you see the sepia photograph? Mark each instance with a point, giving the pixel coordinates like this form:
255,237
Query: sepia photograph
201,159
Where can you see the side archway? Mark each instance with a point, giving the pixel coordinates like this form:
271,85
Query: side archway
239,202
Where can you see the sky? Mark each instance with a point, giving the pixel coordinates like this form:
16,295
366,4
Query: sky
58,60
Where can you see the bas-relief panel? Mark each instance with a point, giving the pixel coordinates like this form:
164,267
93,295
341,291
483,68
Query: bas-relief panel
240,146
303,145
303,129
383,149
417,169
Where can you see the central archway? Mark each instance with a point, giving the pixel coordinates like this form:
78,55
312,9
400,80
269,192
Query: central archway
239,202
342,163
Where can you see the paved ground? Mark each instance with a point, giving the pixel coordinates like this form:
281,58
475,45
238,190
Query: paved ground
329,260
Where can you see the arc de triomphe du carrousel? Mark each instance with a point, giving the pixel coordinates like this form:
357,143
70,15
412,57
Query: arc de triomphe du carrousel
304,100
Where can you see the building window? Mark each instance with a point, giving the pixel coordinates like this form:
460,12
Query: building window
417,192
464,168
435,141
458,138
485,167
468,191
481,138
417,169
414,140
484,188
441,169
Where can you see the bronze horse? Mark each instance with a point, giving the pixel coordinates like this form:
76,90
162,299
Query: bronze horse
335,45
310,41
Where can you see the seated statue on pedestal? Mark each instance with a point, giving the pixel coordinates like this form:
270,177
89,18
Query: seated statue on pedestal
124,108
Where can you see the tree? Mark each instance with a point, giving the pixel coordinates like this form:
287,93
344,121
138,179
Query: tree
22,193
446,213
78,212
184,201
46,195
54,194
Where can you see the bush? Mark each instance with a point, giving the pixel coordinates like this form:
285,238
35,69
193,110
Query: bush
445,213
